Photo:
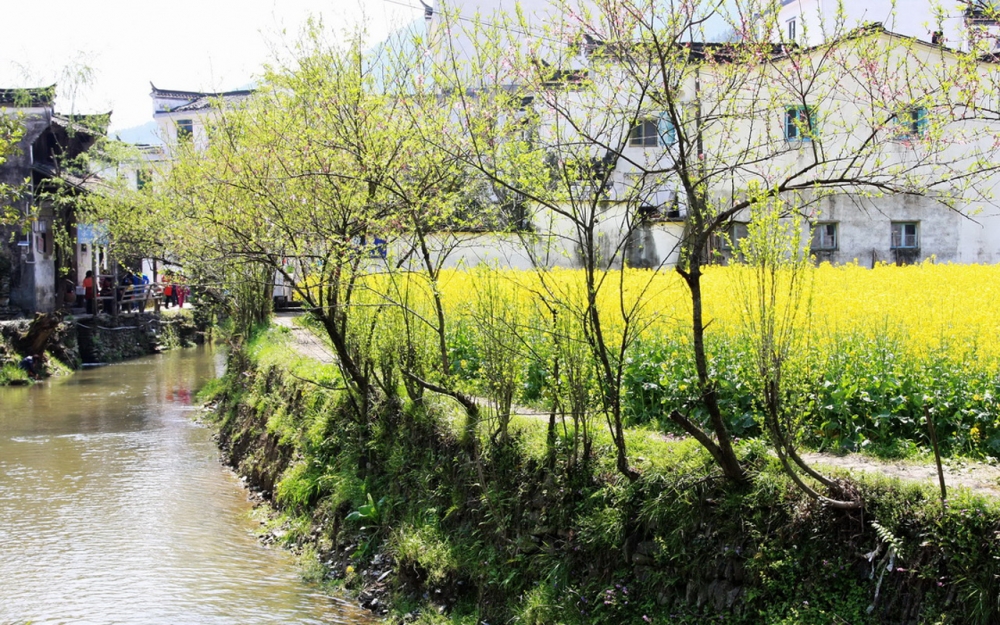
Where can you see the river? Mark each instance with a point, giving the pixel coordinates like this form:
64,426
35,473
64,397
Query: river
114,508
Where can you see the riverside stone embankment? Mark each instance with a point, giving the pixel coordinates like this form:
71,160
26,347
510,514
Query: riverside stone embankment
98,340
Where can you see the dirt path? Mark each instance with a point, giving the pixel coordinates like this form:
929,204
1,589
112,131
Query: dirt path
977,477
304,341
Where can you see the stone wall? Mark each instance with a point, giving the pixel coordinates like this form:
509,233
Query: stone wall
102,340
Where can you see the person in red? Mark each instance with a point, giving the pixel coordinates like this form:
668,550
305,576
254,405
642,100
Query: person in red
168,291
181,292
88,293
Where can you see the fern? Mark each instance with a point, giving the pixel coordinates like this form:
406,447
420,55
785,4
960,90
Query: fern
887,537
888,561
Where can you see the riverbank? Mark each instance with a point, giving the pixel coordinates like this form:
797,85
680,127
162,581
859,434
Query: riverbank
427,527
75,342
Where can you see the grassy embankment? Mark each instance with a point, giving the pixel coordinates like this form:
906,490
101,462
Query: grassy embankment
481,532
11,374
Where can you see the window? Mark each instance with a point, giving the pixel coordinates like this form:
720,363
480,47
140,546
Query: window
911,123
652,133
905,235
43,243
644,135
982,12
800,123
791,29
185,128
665,128
733,235
824,236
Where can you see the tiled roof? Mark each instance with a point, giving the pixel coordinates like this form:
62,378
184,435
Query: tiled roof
198,100
91,124
30,96
213,99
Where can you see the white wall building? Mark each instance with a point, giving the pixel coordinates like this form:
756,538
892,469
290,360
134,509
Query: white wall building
181,115
947,22
851,225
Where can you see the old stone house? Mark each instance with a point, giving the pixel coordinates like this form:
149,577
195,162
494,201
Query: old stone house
40,256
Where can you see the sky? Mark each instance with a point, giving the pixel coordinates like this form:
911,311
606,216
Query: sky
189,45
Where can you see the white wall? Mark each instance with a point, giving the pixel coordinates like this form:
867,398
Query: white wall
654,245
457,23
167,123
817,19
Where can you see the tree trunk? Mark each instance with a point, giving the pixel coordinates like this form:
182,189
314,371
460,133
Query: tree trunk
34,340
725,456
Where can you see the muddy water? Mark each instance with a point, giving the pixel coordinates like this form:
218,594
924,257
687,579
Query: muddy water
114,508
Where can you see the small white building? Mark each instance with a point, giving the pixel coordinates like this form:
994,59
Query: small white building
181,115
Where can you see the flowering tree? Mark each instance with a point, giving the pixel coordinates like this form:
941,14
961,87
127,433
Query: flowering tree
323,179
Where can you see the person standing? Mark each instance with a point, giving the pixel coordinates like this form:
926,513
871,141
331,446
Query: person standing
168,291
138,293
125,293
88,293
107,294
180,293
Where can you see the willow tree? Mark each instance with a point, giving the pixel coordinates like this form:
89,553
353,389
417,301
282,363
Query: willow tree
631,98
437,200
10,133
293,182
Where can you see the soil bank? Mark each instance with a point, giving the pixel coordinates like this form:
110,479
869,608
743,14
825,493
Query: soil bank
427,528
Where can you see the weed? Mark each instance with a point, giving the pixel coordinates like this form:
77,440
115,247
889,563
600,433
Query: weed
426,549
12,374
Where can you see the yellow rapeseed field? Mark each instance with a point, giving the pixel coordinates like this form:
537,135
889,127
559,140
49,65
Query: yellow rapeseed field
876,347
927,306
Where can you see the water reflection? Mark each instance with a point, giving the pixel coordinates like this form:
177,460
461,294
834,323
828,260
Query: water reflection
116,510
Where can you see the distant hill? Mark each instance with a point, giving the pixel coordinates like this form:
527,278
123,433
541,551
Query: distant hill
145,133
